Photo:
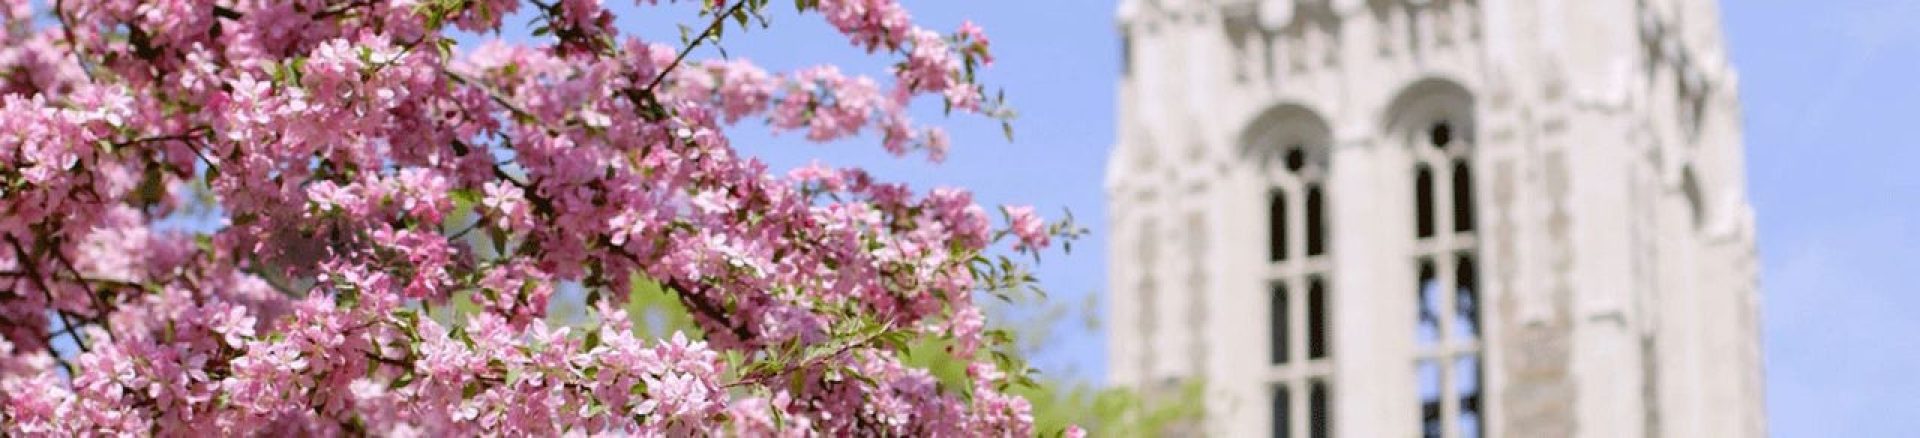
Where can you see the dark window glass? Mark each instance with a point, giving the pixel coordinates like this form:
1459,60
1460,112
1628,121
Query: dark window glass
1427,373
1277,226
1427,332
1467,375
1441,135
1277,330
1296,158
1423,200
1316,223
1316,319
1462,196
1466,301
1320,426
1280,411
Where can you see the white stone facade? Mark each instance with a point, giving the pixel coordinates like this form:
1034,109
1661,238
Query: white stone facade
1587,244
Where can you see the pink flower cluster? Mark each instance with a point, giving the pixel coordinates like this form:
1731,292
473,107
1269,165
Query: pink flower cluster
1028,226
368,180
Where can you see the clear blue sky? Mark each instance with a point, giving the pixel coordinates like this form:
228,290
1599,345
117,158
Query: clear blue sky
1827,85
1831,103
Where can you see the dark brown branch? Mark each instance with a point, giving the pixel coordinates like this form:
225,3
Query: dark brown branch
33,272
66,33
710,32
100,309
492,94
698,300
95,280
805,363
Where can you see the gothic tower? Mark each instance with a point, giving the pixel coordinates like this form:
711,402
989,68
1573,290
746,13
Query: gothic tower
1443,218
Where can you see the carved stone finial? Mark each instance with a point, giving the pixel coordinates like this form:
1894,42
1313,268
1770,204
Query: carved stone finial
1275,14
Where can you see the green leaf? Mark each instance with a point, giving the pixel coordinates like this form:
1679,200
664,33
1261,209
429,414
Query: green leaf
466,196
204,242
779,418
499,237
402,382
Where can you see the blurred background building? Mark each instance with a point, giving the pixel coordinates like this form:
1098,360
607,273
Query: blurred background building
1444,218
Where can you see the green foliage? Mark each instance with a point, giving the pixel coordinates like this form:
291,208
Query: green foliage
1059,403
657,313
1025,325
1109,412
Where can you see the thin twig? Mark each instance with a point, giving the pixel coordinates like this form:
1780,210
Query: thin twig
66,31
811,361
718,20
33,272
492,94
99,307
95,280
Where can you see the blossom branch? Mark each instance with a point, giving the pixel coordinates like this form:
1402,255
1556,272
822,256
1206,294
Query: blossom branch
711,31
33,273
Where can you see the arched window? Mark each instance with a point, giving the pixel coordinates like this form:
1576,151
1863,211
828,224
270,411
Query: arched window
1316,221
1423,200
1462,196
1292,152
1277,226
1317,319
1466,301
1428,331
1282,415
1277,325
1320,417
1448,328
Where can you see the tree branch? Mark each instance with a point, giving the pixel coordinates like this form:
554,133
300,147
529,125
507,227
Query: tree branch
33,272
710,32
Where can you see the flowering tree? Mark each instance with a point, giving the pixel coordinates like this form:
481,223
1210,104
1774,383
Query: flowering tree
367,170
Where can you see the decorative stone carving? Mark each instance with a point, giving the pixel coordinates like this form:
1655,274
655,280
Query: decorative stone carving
1275,14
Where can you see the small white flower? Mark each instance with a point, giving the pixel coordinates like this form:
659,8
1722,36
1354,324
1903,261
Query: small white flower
595,118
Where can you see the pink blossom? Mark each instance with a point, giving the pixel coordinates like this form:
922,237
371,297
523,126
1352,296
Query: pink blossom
390,216
1028,226
233,324
509,203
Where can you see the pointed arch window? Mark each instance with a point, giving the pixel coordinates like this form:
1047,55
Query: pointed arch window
1448,328
1300,324
1462,196
1316,221
1277,226
1423,200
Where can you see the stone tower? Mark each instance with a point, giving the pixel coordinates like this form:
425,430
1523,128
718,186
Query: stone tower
1444,218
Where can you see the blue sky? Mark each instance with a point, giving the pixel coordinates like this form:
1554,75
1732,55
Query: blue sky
1827,91
1830,103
